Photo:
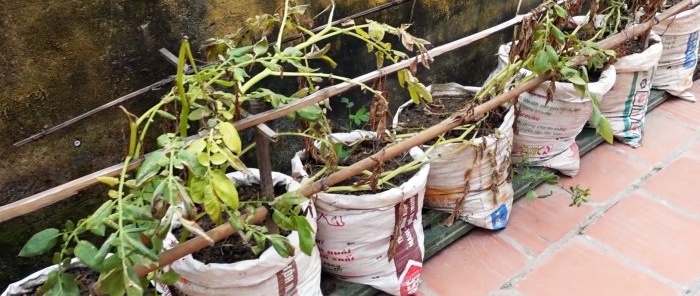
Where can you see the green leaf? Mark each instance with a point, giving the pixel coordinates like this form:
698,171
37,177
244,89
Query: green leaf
65,284
224,189
239,74
531,195
541,63
234,161
197,146
292,52
376,31
558,34
203,159
190,160
272,66
166,115
168,278
282,221
306,234
576,79
40,242
217,158
602,125
230,136
95,223
260,47
361,32
281,244
140,248
87,253
112,282
310,113
196,189
150,166
552,56
401,74
239,51
111,181
560,11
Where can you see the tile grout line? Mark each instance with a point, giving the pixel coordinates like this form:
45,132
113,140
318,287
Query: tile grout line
529,255
668,204
629,262
694,288
600,210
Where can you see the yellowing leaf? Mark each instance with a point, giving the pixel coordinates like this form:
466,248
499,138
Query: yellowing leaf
230,136
217,158
111,181
224,189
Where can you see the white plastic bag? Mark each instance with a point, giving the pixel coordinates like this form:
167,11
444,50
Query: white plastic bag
30,283
625,105
679,36
461,177
270,274
355,231
546,132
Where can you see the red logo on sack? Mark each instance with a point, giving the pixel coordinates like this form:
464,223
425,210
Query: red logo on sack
332,221
410,279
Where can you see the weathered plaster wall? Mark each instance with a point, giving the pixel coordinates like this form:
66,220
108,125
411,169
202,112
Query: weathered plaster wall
62,58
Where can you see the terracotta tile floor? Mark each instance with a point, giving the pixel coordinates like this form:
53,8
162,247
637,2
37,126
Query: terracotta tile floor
639,235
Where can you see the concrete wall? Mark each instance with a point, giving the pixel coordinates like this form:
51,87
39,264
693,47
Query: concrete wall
62,58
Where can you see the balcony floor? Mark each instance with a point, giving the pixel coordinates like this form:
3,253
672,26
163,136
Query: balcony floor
638,235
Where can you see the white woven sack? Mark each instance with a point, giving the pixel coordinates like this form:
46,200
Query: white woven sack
461,176
270,274
30,283
355,231
546,132
679,36
625,105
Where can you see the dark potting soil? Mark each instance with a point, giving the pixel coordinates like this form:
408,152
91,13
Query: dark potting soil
362,150
84,276
416,118
233,248
631,46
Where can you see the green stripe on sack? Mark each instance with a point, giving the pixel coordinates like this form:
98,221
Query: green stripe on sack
628,108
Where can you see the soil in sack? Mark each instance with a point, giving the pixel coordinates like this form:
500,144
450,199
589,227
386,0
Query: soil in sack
207,273
371,238
677,66
354,153
470,178
416,118
233,248
625,105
